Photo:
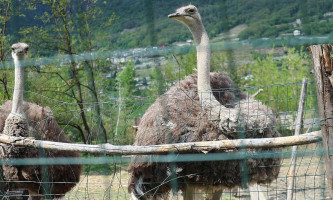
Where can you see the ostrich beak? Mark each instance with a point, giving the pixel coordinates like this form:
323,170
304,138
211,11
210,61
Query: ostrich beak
173,15
19,51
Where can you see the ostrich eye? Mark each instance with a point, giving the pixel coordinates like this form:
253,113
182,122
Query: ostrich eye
13,49
191,10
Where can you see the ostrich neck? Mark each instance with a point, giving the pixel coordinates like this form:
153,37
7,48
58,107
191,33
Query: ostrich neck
18,88
203,61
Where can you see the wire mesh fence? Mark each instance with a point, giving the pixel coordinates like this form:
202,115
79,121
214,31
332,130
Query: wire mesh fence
107,177
177,117
129,123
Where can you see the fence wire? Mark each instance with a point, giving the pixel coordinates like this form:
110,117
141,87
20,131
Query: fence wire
106,177
108,114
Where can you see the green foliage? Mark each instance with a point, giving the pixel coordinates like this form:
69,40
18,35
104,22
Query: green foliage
188,63
126,81
157,81
129,24
291,67
67,29
169,72
178,67
272,70
5,39
264,18
128,106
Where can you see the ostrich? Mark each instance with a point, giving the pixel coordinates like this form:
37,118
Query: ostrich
19,118
188,112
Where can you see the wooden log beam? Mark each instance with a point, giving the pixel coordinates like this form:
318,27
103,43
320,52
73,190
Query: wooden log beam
322,70
109,149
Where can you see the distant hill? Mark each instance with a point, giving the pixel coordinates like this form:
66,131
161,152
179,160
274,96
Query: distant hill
265,18
144,22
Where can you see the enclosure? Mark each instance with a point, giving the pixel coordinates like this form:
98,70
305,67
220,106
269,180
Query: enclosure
121,82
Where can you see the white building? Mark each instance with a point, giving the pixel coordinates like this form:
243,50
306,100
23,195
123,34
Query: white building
297,32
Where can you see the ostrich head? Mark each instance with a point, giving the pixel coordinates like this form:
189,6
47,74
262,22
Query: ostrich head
20,51
189,15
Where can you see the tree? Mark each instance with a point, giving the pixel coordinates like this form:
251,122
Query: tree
86,13
126,91
67,31
64,28
126,81
5,8
157,81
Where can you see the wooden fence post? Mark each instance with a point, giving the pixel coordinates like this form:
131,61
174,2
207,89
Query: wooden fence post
322,69
298,129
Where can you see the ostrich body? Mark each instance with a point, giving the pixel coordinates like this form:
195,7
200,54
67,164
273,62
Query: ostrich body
19,118
188,112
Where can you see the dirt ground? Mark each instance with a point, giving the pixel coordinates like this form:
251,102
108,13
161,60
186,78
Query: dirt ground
309,183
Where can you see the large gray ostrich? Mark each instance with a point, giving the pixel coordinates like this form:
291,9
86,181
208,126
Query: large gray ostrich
189,113
19,118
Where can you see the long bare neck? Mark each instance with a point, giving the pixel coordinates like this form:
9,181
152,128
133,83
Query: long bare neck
18,88
203,61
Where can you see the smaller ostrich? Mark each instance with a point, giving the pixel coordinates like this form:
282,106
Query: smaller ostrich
19,118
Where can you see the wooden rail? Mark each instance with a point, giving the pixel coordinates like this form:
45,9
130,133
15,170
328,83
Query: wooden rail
205,147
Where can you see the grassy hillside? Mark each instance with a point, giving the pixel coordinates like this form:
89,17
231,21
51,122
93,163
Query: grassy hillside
265,18
145,23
